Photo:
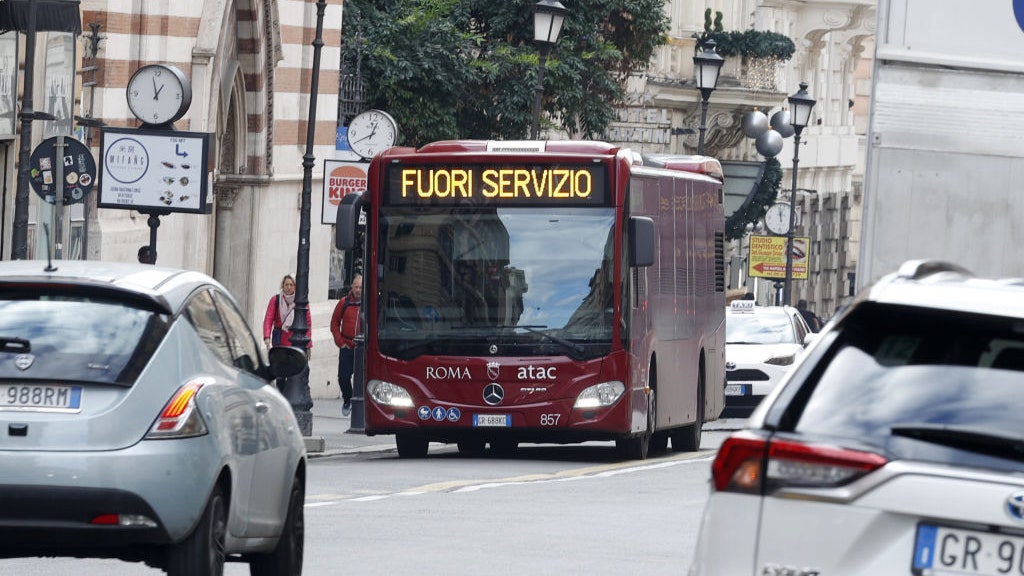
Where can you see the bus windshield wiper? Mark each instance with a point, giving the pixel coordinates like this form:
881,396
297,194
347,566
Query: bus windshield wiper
974,438
578,349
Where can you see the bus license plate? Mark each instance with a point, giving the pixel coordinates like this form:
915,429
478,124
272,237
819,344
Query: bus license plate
940,549
40,397
736,389
493,420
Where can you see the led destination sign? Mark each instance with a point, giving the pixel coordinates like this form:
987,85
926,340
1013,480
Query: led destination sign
538,185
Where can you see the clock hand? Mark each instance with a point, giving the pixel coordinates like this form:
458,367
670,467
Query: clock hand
156,95
370,135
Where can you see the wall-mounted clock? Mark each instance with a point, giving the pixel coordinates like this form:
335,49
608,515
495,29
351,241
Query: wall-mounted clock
159,94
777,218
371,132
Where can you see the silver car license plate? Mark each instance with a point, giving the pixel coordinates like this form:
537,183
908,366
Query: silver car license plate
945,550
40,397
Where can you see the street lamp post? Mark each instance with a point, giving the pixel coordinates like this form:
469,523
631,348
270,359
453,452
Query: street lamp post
706,66
800,105
548,16
297,388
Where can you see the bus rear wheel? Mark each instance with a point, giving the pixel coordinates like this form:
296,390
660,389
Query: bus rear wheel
687,438
411,445
504,447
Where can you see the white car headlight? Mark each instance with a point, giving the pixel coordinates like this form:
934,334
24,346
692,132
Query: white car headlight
600,395
781,360
388,394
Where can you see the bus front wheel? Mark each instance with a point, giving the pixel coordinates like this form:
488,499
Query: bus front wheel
411,445
637,447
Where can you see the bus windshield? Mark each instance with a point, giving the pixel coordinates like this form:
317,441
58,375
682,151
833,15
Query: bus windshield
485,281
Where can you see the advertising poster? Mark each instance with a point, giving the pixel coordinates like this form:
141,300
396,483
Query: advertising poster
153,170
340,178
767,258
8,82
59,84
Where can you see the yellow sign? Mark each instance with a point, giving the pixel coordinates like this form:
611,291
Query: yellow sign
541,185
767,258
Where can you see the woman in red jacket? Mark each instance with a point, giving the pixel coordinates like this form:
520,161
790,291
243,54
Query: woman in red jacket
277,322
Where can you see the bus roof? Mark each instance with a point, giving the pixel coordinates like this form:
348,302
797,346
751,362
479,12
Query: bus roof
704,165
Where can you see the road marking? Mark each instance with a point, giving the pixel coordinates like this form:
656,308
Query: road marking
460,486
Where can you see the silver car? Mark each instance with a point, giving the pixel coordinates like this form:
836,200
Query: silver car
139,420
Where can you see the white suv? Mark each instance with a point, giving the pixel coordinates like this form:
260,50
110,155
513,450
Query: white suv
895,445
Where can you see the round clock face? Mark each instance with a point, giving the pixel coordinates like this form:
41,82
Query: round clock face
159,93
777,218
371,132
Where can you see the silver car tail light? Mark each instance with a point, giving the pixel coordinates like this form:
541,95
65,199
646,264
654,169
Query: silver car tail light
179,417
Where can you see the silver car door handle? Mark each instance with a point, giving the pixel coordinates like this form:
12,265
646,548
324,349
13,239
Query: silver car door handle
262,407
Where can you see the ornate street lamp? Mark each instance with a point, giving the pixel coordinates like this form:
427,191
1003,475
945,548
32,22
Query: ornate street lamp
296,388
706,66
800,106
548,16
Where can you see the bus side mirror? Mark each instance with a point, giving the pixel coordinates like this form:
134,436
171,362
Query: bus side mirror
641,241
347,222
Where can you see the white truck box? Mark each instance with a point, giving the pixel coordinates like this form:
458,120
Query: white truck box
945,162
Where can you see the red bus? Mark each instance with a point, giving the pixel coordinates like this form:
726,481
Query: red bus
540,292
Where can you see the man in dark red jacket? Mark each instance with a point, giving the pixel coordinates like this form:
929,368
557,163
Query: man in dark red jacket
344,327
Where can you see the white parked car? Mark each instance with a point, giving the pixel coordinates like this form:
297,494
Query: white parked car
894,446
761,345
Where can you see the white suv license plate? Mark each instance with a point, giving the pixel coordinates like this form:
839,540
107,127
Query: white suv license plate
944,550
493,420
40,397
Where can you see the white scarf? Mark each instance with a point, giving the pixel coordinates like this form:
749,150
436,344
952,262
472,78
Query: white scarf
286,312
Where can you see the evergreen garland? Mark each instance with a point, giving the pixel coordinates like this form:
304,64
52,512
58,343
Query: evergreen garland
753,43
750,213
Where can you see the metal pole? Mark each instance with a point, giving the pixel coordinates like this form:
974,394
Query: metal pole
704,95
154,223
539,90
358,422
297,387
787,296
19,229
58,201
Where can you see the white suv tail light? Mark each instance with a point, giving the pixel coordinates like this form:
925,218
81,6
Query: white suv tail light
750,463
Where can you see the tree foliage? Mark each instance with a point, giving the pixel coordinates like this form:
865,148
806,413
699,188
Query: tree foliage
468,68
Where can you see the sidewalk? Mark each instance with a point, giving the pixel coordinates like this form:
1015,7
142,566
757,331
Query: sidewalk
332,436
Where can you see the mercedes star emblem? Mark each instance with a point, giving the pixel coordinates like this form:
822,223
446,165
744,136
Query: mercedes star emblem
493,394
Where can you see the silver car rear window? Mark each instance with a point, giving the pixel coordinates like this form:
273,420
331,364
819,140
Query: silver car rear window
73,337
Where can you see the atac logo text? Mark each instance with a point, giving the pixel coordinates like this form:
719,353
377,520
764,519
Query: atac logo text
536,373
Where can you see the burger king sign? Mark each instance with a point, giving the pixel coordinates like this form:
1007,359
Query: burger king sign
340,178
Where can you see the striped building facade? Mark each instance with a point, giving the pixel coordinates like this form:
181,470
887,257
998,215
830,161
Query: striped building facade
250,65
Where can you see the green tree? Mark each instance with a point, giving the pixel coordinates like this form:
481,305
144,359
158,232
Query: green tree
468,68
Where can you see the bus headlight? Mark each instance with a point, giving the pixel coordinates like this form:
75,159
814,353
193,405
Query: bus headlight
600,395
388,394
